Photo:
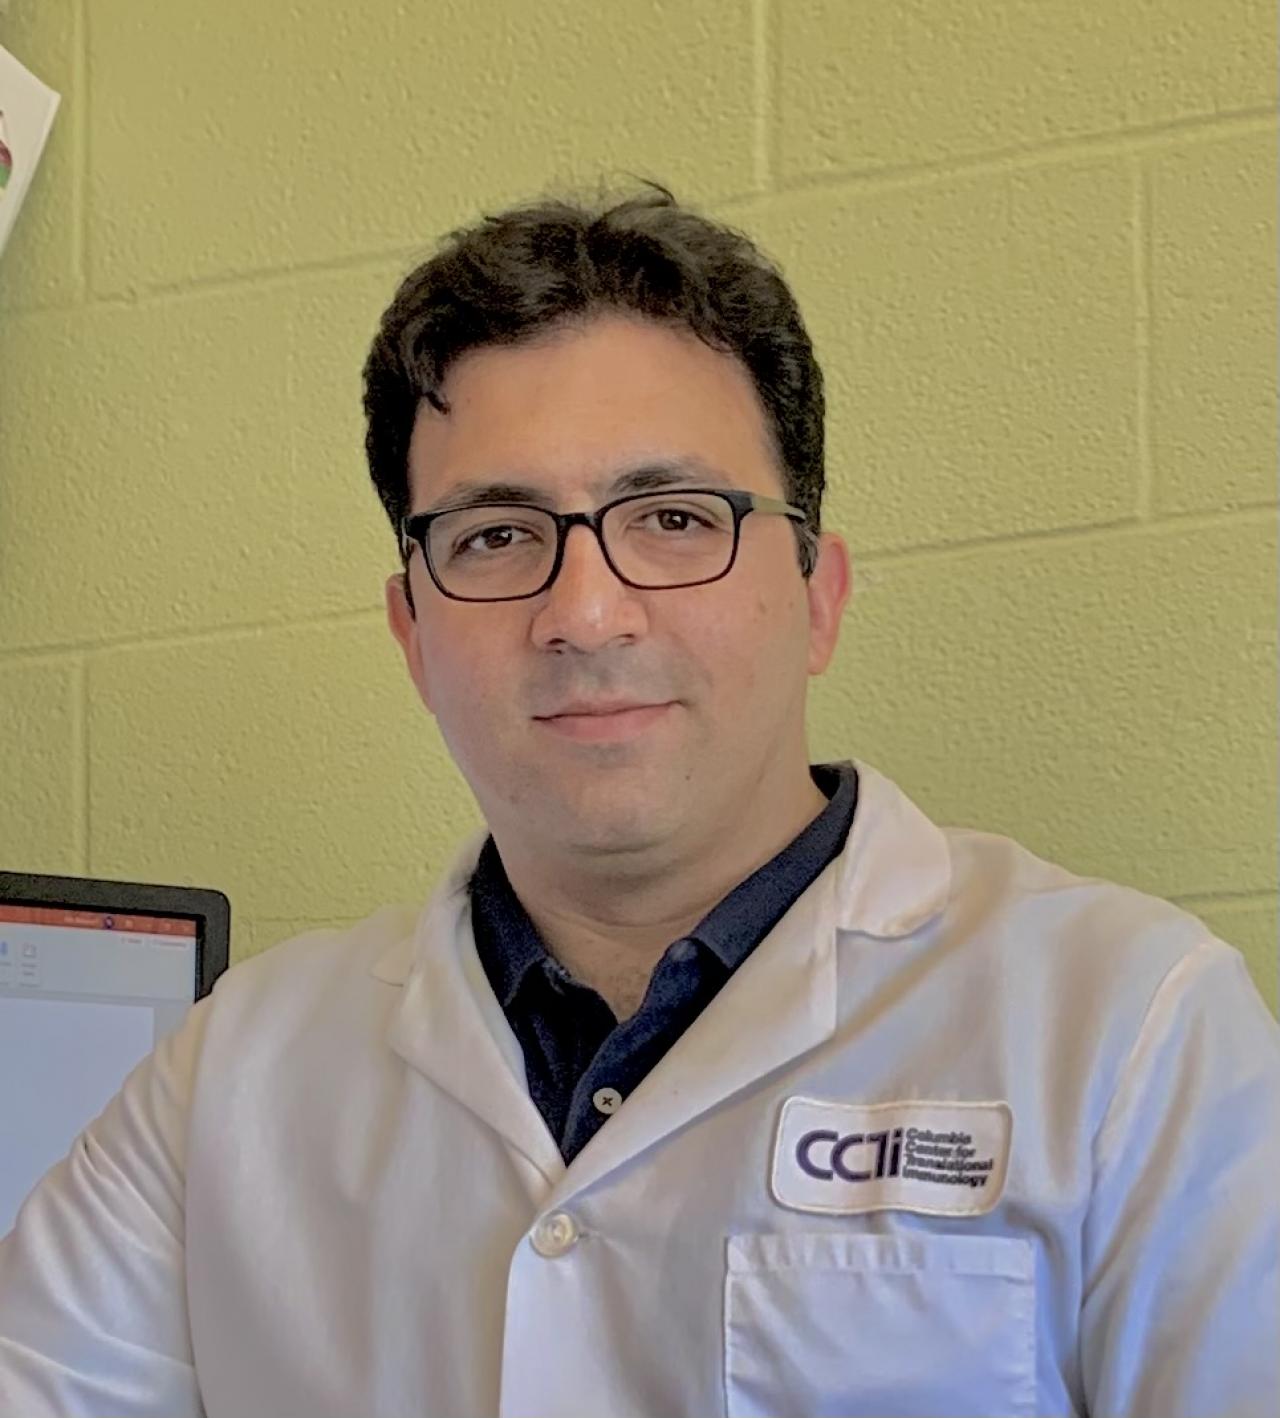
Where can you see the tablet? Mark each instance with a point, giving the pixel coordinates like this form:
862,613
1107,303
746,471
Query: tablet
93,974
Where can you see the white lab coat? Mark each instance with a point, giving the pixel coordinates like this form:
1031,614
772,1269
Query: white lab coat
328,1195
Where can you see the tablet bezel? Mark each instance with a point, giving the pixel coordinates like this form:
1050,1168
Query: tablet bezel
210,908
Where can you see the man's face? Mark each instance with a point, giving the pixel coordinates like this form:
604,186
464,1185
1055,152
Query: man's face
729,659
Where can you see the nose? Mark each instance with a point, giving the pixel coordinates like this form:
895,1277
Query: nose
587,606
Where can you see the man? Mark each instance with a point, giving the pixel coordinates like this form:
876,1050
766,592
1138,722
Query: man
709,1080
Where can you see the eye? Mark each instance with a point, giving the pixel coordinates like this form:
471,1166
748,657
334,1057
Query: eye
687,514
462,547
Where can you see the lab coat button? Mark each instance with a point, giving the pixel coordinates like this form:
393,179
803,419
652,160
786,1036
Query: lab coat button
554,1234
607,1100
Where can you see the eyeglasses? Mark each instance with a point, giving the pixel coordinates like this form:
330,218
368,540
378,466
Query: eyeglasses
652,541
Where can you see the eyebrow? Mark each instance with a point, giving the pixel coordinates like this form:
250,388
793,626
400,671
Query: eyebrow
649,476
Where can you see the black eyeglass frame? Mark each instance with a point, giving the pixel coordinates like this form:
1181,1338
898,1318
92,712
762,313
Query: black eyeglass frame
415,531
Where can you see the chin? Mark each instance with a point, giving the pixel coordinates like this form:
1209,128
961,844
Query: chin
606,818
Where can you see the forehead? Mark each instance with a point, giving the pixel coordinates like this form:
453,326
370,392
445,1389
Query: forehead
570,412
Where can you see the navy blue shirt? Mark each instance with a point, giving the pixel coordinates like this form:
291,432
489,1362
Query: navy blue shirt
580,1063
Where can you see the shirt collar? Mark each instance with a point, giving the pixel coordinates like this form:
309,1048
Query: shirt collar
510,945
733,927
499,917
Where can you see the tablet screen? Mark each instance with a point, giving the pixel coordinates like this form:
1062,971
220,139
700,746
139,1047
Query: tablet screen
84,996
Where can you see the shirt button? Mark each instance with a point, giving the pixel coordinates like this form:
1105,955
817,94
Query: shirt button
607,1100
555,1234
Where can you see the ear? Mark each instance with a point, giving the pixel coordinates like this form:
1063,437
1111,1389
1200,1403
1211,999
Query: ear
404,627
828,590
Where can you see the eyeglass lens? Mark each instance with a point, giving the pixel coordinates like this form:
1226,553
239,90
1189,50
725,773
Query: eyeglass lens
667,539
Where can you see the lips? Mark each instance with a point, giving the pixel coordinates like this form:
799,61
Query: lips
614,727
581,709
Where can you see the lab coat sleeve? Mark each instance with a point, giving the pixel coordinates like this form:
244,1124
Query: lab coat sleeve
93,1311
1181,1304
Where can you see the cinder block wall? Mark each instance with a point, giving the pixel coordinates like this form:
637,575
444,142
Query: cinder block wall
1035,245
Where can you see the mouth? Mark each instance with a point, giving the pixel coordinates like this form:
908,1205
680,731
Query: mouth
611,727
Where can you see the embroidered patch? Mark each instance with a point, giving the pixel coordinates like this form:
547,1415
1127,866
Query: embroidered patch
944,1159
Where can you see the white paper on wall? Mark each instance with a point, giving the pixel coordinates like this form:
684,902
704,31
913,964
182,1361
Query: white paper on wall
27,108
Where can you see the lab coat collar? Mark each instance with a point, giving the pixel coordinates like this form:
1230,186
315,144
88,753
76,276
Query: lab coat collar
893,876
449,1024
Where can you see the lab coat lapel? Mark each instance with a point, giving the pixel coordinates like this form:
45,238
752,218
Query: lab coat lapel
778,1004
893,876
450,1026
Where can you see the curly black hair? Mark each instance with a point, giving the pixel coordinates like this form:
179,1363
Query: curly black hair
558,262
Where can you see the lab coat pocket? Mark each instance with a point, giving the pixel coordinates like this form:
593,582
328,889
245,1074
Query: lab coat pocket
818,1324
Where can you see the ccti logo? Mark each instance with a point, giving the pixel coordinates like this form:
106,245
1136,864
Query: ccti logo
826,1154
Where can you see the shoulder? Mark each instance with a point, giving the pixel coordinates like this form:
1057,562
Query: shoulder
1097,976
315,977
1092,952
1037,905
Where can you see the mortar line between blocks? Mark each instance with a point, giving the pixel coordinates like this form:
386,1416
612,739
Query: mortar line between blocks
80,147
80,756
763,62
81,212
1260,897
1142,334
1104,145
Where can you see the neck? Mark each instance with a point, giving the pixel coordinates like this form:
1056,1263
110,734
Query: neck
609,930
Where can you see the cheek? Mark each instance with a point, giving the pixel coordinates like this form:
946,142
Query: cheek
748,649
463,674
776,635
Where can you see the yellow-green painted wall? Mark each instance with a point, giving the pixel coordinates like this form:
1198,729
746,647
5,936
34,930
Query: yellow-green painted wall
1035,243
